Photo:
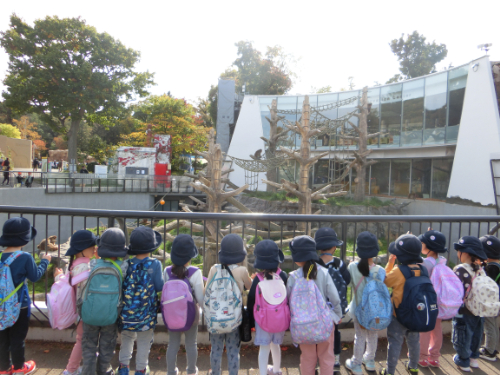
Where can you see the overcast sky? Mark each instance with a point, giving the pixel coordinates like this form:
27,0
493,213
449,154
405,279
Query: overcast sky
187,44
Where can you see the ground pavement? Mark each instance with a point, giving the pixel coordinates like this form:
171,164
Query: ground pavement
51,359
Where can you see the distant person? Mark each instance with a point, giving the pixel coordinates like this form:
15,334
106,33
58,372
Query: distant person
29,180
84,170
1,160
19,178
35,165
59,166
6,173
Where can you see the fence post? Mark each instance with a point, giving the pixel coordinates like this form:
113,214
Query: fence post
344,237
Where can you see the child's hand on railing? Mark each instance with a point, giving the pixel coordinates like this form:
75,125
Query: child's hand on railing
47,256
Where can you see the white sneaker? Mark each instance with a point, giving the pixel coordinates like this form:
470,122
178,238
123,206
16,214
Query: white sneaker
474,363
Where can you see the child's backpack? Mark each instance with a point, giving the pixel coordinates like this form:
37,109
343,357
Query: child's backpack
101,300
311,318
177,304
449,289
418,310
61,304
140,302
375,310
222,302
271,311
10,306
482,296
338,280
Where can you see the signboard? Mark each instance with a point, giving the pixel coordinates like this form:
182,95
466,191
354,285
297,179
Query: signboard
101,171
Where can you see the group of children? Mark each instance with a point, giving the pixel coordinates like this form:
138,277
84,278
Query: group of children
114,295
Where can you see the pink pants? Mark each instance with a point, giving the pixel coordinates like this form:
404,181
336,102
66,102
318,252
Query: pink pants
431,343
310,353
76,355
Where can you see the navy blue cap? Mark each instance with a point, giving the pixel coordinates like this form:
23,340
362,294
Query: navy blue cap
303,249
17,231
491,246
407,249
144,240
183,249
232,250
81,240
112,243
367,245
326,238
470,245
268,256
434,241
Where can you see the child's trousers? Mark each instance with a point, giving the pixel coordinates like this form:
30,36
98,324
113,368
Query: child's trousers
467,333
12,343
101,340
310,353
431,343
190,342
76,354
364,337
491,334
232,340
396,334
144,341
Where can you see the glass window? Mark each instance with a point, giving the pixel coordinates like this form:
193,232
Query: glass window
373,116
321,172
413,112
400,177
441,172
457,80
265,104
327,140
346,129
435,108
421,178
288,103
390,109
380,178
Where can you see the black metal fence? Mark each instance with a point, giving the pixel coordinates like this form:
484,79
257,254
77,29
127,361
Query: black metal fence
62,222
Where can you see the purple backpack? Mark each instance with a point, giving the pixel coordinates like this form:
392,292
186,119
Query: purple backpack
448,287
177,305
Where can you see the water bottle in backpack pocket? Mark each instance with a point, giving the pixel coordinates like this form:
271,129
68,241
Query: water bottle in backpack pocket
375,310
222,302
334,272
449,289
178,307
10,306
418,311
101,300
61,304
311,317
271,311
482,296
140,301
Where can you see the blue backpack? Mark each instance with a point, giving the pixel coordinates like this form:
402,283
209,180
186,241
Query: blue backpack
140,301
10,306
334,272
375,310
101,299
418,310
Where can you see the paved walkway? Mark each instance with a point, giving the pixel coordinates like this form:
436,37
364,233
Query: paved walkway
51,359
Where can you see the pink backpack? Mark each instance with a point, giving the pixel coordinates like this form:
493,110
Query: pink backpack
61,304
177,305
311,318
448,287
271,311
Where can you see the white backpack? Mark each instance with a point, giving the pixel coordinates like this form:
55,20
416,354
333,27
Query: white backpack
222,302
482,296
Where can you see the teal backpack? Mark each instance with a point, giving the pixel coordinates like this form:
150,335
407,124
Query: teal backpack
140,301
101,300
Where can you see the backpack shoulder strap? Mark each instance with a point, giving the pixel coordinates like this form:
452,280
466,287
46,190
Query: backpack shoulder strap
191,271
406,271
117,266
13,257
337,263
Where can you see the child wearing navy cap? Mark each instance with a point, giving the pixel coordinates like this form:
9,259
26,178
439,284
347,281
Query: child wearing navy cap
17,232
491,246
327,242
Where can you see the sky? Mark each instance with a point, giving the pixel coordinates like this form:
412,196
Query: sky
188,44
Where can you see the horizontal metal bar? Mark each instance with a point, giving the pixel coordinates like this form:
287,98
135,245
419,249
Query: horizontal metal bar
241,216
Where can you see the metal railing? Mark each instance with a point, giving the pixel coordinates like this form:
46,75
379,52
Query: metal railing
62,222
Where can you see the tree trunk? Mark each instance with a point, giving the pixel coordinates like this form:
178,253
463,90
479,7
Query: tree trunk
359,194
72,139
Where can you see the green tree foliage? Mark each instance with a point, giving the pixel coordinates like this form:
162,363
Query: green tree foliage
10,131
416,57
64,70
